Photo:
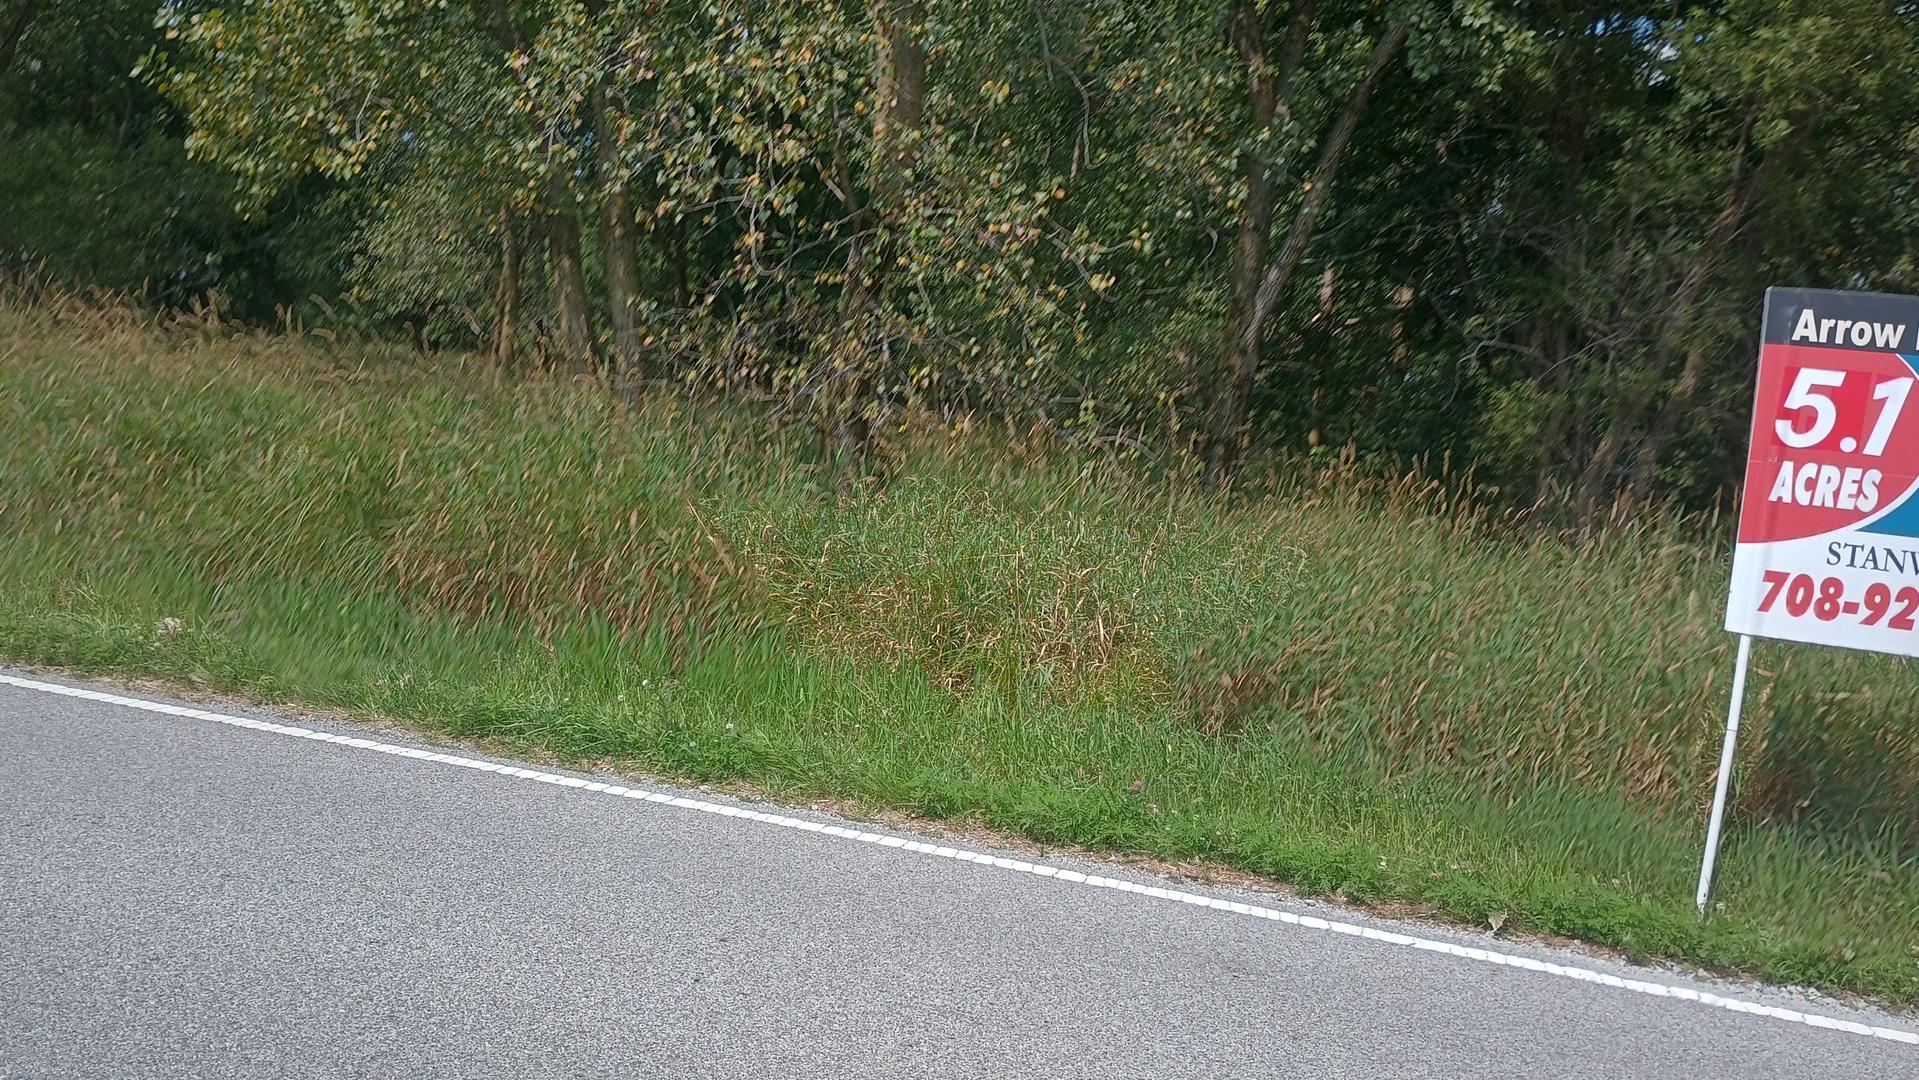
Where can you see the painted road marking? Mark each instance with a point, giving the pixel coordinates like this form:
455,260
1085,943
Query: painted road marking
1310,922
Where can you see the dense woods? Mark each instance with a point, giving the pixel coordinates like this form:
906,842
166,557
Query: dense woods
1530,236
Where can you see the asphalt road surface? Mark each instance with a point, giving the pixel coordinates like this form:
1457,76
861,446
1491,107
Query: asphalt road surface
182,896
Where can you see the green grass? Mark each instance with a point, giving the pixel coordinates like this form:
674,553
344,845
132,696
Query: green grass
1351,682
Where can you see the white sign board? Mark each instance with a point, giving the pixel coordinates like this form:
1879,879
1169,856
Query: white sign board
1828,545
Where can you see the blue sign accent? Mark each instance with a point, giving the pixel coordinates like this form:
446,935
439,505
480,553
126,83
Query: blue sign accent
1903,519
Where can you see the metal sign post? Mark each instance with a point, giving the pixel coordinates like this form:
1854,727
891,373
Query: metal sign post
1725,772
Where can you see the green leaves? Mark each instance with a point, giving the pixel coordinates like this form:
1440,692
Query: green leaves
1546,216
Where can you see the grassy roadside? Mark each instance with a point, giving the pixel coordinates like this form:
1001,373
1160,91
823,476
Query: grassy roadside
1352,684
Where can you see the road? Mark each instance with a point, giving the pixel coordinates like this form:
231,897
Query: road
184,896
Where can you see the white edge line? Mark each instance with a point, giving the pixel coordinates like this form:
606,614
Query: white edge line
1310,922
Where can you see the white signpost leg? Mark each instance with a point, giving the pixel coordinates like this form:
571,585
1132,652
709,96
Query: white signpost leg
1725,772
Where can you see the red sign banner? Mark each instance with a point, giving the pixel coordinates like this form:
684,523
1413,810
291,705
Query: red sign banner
1828,545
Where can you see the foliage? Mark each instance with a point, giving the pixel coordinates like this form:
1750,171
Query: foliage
137,219
99,191
1542,248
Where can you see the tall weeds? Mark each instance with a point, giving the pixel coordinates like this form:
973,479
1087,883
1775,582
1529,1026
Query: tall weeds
1380,620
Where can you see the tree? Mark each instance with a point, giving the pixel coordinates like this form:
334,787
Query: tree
1653,172
1532,235
1791,80
855,166
97,187
1252,303
409,99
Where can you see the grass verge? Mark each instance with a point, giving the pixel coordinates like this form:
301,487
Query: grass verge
1356,684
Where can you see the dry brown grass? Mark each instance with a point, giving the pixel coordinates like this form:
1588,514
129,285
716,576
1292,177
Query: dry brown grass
1384,619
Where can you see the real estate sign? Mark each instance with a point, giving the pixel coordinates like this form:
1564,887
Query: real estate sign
1828,546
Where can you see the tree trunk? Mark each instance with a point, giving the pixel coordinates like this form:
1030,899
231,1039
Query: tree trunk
569,293
617,243
506,303
1592,482
1550,376
562,228
1266,90
1739,203
1553,372
1230,418
623,292
901,94
622,268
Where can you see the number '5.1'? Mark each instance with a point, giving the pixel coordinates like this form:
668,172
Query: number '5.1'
1808,393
